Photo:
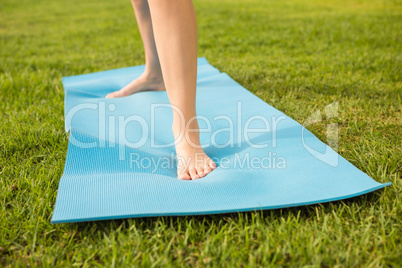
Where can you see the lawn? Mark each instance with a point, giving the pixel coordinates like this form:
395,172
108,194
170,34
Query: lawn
298,56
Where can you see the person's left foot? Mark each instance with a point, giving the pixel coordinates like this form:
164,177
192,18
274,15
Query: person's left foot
143,83
192,162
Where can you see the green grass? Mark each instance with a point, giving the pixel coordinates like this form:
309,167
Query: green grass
298,56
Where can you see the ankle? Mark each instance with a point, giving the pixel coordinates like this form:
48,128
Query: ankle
153,76
186,133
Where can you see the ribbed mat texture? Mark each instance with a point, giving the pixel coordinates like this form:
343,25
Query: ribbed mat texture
121,161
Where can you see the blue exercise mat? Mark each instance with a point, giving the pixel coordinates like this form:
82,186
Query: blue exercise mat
121,162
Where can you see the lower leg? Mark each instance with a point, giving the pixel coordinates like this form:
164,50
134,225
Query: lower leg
175,31
152,78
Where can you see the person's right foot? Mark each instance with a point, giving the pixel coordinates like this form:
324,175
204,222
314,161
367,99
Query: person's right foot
142,83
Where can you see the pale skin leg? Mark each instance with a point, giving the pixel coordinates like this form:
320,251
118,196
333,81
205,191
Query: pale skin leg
170,40
152,78
175,31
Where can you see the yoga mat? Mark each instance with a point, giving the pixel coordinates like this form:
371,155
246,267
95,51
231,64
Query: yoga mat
121,163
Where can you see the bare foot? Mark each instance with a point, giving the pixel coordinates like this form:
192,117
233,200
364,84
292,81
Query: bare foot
192,162
143,83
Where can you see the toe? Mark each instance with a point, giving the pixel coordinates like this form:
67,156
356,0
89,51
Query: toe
212,164
193,174
116,94
112,95
184,176
207,170
200,172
